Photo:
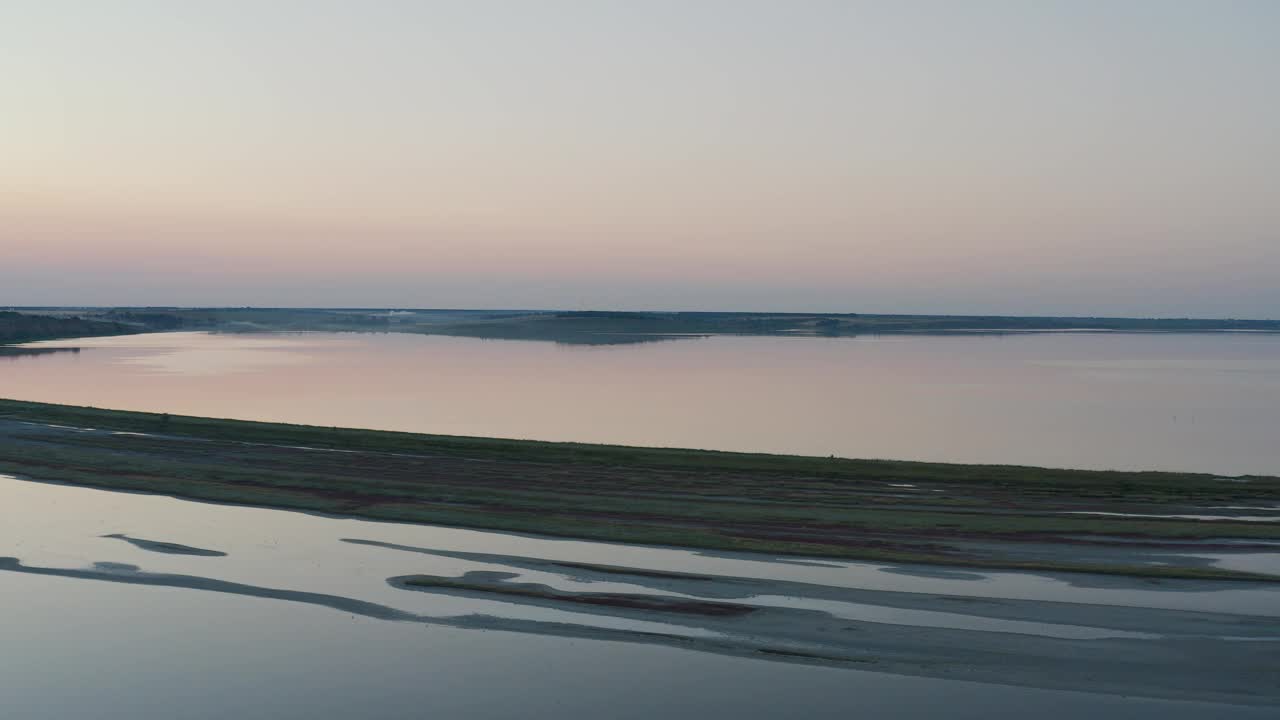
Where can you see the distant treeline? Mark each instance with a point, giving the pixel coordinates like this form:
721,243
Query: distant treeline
20,327
908,323
589,327
951,323
249,319
595,327
149,320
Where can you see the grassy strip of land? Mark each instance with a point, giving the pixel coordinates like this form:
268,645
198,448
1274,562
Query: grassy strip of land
827,507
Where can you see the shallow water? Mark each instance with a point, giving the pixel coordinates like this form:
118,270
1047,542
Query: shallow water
79,648
278,617
1206,403
1257,562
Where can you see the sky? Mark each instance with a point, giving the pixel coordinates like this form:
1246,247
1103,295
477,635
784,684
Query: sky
1087,157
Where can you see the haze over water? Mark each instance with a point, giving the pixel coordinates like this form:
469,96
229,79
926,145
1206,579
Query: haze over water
1205,403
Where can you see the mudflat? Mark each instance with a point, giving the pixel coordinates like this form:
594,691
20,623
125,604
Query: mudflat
988,516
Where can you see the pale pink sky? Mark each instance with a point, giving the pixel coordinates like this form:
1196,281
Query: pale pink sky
992,156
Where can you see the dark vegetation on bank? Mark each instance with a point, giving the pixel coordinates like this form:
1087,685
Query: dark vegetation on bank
601,327
615,327
969,515
21,327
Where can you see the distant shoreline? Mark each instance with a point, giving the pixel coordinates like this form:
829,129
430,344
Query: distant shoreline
585,327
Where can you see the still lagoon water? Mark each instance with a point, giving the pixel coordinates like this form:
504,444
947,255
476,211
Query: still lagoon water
1205,403
242,613
121,605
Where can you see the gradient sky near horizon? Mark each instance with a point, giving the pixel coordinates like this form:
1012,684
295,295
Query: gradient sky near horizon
1102,157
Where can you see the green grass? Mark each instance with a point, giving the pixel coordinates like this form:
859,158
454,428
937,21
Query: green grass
1033,479
824,507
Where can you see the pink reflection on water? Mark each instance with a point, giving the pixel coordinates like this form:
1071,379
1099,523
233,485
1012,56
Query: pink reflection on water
1176,402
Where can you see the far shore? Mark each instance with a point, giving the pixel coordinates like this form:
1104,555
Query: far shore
577,327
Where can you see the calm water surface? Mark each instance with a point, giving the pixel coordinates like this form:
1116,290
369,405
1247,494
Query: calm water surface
1208,403
87,648
78,647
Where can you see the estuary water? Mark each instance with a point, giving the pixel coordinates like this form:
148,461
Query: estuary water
1181,402
121,606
